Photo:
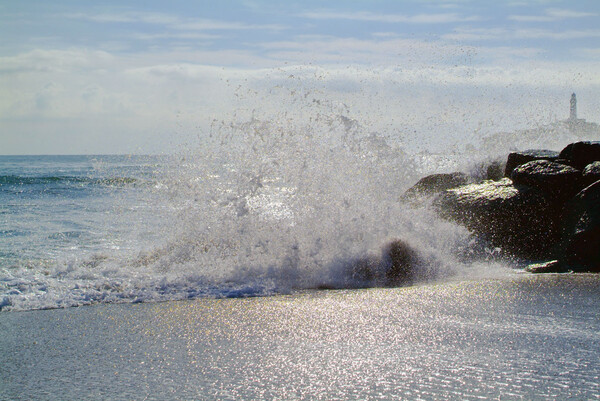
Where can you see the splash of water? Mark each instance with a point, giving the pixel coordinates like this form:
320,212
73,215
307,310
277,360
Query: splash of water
294,206
260,207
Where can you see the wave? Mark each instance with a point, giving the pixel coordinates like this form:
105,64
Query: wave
177,272
263,209
44,180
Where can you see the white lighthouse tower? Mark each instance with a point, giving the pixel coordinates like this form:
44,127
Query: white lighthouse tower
573,115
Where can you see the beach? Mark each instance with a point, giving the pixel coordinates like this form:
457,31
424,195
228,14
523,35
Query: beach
260,200
516,336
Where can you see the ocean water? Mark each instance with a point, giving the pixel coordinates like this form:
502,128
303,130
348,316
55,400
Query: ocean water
256,209
62,215
238,234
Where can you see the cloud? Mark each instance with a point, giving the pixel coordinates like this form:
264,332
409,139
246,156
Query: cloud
212,25
378,51
172,22
531,18
382,50
57,61
385,75
439,18
551,15
501,34
593,53
476,34
176,35
561,35
126,17
148,97
562,13
385,34
528,3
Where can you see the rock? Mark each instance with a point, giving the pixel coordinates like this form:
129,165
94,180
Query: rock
487,170
580,245
516,159
400,260
553,266
436,183
549,209
591,174
395,266
516,218
580,154
557,181
495,170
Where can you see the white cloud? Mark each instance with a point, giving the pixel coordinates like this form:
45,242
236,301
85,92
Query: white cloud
562,13
389,50
531,18
475,34
528,3
41,60
212,25
593,53
406,86
385,35
482,34
126,17
172,21
560,35
176,35
437,18
388,80
551,15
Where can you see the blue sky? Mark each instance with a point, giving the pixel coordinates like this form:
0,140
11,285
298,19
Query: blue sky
145,76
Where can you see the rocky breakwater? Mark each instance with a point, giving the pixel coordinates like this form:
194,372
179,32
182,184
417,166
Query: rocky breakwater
546,209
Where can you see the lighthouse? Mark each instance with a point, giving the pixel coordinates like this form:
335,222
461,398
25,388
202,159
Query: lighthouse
573,115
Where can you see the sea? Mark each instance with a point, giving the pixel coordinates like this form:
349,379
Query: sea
267,216
228,271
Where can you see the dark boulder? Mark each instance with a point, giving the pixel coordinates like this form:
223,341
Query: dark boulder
487,170
580,154
558,181
516,218
400,260
550,209
495,170
436,183
395,266
581,230
516,159
591,173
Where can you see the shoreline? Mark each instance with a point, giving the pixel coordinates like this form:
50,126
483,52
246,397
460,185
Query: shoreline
499,275
524,335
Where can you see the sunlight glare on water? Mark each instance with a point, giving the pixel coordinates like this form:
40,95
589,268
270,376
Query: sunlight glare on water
519,337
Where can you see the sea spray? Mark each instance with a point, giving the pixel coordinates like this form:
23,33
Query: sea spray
257,207
295,206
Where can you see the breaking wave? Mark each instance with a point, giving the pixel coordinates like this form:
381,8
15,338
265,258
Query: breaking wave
258,208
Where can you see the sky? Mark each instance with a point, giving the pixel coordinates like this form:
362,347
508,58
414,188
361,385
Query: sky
85,77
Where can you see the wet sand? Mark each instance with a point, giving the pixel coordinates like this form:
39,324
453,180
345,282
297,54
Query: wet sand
515,337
